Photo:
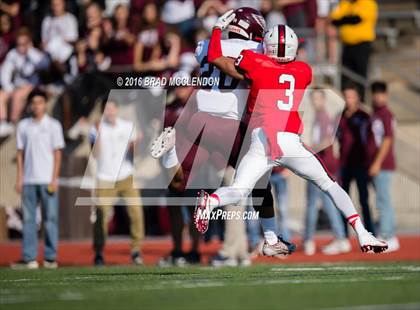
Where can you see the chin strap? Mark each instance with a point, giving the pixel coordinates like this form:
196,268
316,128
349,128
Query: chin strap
215,45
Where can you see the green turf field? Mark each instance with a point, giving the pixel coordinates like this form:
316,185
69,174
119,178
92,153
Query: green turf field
257,287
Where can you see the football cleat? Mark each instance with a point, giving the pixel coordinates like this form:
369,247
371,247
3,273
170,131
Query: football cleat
369,243
163,143
202,212
282,247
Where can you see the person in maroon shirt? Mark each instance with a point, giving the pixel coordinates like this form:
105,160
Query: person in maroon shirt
353,131
119,40
382,162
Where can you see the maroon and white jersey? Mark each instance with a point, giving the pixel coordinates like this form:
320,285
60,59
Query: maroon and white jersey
382,125
228,98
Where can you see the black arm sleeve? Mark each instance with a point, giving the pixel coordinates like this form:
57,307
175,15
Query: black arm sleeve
347,20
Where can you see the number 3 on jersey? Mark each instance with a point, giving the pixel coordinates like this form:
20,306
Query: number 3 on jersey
287,78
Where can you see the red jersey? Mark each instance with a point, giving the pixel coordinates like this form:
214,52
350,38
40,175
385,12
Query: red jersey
276,92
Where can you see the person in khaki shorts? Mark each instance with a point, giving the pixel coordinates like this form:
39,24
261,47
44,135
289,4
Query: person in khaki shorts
113,143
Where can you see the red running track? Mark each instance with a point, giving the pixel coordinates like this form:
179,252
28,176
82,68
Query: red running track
117,252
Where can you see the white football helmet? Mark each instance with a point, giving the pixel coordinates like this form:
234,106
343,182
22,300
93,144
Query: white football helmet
281,43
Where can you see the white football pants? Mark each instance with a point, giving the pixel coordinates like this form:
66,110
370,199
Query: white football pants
296,158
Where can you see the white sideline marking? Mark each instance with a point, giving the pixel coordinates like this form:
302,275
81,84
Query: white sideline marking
412,268
409,306
194,284
20,280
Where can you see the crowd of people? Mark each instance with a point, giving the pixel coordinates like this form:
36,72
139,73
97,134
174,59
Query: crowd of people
71,50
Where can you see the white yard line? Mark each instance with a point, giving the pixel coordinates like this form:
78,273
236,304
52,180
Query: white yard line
409,306
412,268
194,284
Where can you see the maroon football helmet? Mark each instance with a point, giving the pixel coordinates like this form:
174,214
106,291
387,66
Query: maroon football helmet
249,24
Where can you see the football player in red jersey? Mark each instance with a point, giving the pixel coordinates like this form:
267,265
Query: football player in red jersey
278,83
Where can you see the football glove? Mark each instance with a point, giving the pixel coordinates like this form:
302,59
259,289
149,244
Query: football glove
224,20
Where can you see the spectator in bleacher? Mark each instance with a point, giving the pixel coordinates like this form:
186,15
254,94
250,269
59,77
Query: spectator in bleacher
12,9
7,38
156,49
111,5
356,20
39,141
181,15
147,48
20,73
382,162
235,4
113,141
301,14
298,13
321,143
353,132
119,39
85,85
209,11
59,32
326,33
272,14
94,15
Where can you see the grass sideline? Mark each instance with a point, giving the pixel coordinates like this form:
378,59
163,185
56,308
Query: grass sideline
258,287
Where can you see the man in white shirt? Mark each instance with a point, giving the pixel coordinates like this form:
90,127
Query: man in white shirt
113,143
18,75
39,140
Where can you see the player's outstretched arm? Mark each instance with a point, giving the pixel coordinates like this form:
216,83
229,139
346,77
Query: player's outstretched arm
215,55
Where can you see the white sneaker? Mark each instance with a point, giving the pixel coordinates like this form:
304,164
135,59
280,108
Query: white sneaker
6,129
25,265
368,243
245,262
163,143
337,246
50,264
393,245
309,247
282,247
223,261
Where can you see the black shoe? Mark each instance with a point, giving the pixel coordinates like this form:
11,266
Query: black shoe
193,258
136,258
99,260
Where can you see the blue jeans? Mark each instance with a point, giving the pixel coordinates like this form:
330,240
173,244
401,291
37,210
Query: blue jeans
382,183
314,194
280,188
31,196
253,228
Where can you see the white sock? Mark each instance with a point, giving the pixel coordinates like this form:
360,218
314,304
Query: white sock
170,159
356,222
343,202
269,228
